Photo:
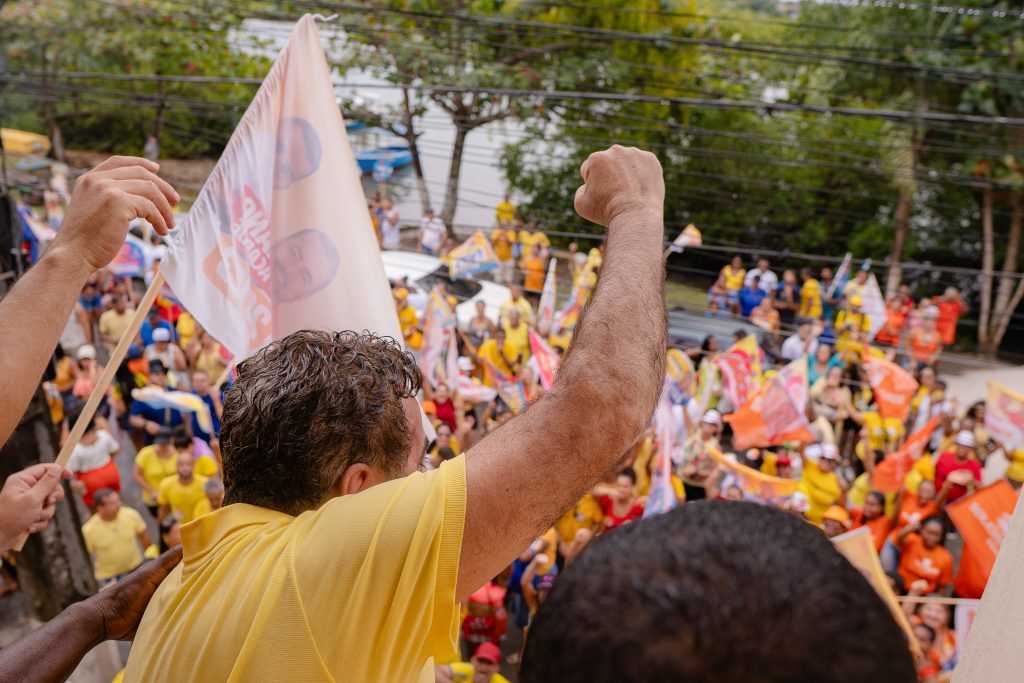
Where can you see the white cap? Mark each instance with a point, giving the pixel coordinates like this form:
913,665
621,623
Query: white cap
712,417
965,438
86,351
465,364
161,334
829,451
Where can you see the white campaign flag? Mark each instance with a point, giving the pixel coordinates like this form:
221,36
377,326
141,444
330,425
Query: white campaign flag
873,305
279,238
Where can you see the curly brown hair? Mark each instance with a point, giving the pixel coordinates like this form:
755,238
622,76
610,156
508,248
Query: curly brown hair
306,407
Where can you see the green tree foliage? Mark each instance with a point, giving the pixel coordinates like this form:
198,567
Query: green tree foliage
139,37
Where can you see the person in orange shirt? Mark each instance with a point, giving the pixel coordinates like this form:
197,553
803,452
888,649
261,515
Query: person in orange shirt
872,515
951,306
895,321
910,509
925,342
925,565
533,270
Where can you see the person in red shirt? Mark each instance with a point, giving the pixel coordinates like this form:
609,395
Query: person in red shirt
951,307
872,515
619,502
961,458
925,565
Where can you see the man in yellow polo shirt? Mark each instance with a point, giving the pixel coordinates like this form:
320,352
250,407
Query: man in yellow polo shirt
179,494
504,239
115,537
517,338
531,237
516,302
333,559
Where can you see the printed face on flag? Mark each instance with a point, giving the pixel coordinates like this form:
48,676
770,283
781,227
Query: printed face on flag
279,238
298,151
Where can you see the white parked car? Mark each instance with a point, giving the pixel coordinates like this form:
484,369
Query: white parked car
423,271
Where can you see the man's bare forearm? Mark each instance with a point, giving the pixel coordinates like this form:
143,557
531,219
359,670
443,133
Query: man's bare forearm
605,393
32,316
51,652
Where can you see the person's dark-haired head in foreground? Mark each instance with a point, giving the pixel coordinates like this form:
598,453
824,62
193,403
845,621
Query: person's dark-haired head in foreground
715,592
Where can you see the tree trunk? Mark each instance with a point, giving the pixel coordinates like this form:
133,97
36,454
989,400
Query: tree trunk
901,227
414,151
54,568
1007,298
987,264
49,112
451,199
901,224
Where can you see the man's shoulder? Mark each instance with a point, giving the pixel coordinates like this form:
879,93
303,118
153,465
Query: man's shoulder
90,524
129,514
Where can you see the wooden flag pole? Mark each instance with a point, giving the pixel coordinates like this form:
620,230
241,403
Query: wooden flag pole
103,383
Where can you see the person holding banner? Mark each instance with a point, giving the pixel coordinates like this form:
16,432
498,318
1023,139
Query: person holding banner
32,317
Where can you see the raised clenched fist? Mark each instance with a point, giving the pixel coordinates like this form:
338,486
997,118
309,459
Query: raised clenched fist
105,201
619,181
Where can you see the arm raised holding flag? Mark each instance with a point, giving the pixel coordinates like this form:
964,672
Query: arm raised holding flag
33,314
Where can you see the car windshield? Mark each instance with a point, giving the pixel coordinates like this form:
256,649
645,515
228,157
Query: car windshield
460,289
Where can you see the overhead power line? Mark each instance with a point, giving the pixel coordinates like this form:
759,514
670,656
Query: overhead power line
767,50
888,114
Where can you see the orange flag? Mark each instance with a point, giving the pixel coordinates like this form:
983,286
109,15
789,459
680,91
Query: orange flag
741,367
889,474
756,483
982,519
776,413
893,387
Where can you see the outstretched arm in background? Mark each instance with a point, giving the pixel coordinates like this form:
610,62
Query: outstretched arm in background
606,389
34,312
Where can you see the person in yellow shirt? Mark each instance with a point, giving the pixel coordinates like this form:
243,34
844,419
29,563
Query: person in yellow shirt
181,493
819,481
585,514
505,211
484,667
159,461
531,237
533,270
333,557
115,536
153,464
213,498
517,340
186,328
503,239
516,302
115,321
733,272
408,319
492,353
810,296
